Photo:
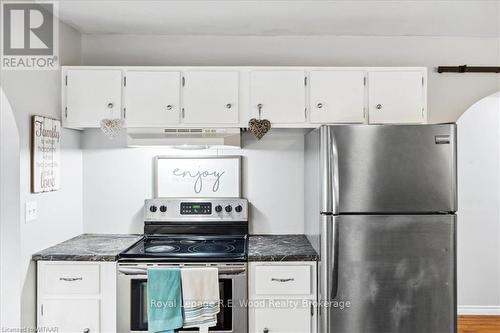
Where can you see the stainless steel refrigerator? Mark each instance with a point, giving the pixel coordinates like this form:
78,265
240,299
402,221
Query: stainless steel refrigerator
380,203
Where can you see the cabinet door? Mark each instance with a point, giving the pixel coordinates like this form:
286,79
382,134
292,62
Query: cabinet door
283,320
337,96
282,95
396,97
92,95
71,315
152,98
211,97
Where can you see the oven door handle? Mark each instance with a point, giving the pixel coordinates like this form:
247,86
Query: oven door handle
133,271
144,271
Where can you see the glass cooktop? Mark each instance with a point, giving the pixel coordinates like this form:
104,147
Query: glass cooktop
189,248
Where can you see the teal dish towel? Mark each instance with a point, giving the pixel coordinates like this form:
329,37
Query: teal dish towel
164,299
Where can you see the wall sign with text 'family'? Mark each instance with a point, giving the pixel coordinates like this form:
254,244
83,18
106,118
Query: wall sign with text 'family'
45,154
205,176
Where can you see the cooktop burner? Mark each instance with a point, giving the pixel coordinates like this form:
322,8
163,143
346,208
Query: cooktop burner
162,249
221,248
189,247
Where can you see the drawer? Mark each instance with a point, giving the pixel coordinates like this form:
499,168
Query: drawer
283,280
70,278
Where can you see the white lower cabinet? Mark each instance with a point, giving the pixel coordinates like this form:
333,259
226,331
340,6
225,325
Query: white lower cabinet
275,320
282,297
77,296
72,315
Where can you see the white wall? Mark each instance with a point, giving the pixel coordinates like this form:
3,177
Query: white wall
449,95
10,272
59,212
117,180
479,208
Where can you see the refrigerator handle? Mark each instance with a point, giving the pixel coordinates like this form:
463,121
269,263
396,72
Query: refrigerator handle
329,268
329,164
334,253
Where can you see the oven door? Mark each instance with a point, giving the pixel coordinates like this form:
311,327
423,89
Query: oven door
132,298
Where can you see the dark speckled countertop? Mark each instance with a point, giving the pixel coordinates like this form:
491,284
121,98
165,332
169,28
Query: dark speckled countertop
280,248
89,247
100,247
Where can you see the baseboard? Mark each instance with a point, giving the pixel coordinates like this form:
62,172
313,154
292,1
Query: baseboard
479,310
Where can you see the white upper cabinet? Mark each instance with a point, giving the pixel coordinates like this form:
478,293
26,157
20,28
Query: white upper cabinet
152,98
211,97
396,97
200,97
91,95
337,97
281,95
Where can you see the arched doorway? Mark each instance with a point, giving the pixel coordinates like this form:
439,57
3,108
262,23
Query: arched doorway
10,238
478,223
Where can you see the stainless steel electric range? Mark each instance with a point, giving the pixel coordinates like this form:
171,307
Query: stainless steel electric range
188,232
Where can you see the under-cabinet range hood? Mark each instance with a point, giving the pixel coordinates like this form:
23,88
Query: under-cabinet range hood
184,138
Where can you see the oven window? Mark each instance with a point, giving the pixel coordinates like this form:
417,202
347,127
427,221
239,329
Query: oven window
139,305
139,302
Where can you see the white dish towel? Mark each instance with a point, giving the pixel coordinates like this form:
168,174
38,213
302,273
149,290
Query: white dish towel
200,297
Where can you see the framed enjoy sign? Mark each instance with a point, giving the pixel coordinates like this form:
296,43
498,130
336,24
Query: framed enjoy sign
207,176
45,154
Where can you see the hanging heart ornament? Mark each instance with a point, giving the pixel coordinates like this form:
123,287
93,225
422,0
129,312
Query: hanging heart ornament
111,127
259,127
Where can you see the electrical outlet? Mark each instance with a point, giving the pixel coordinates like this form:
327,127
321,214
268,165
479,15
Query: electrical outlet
31,211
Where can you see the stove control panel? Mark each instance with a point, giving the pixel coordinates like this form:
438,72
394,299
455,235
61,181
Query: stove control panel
196,209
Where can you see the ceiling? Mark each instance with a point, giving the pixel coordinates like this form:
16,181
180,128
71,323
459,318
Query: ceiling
272,18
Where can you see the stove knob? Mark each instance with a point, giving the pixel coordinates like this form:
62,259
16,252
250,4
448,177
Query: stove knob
228,208
238,209
218,208
153,209
163,209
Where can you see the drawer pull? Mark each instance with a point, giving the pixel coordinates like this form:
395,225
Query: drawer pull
282,280
265,330
71,279
87,330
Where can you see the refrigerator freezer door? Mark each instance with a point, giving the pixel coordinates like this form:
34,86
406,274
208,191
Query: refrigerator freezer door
388,274
388,168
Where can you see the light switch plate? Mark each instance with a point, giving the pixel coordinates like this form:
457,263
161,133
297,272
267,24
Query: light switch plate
31,211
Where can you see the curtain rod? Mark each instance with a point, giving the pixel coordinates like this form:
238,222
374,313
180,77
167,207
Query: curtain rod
468,69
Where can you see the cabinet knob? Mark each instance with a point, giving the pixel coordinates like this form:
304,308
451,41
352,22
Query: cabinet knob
110,105
265,330
229,105
319,105
169,107
86,330
379,106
